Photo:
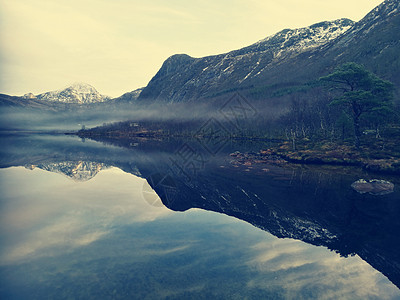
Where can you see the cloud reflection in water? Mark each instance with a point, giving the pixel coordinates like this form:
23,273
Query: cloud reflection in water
40,219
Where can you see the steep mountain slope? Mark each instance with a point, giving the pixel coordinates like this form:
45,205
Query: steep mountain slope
80,93
286,59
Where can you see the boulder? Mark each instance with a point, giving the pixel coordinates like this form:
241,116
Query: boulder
374,187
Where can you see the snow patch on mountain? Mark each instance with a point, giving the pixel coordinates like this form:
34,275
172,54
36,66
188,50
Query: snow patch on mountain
288,43
304,39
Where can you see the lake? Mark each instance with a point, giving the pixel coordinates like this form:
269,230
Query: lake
181,219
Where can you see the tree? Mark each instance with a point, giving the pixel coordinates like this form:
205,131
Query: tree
361,93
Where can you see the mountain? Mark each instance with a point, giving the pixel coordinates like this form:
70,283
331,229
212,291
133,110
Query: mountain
80,93
285,60
183,77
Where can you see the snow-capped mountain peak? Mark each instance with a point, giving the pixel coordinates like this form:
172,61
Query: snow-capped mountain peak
81,93
82,87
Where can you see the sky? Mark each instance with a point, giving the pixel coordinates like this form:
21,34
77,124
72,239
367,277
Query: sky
119,45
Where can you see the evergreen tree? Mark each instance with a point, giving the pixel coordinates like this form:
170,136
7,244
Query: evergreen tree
361,93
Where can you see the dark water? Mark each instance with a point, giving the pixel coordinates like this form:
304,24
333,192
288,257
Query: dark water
179,219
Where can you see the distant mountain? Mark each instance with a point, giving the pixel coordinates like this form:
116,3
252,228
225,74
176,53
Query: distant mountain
287,59
80,93
72,97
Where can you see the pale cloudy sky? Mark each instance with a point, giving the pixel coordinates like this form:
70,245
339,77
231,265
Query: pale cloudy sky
119,45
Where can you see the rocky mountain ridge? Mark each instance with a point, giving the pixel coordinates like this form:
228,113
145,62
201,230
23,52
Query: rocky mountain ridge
286,59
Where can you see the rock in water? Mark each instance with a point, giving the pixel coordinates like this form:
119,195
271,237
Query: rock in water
374,187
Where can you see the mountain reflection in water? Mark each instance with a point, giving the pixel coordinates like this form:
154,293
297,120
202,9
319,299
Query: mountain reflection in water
310,204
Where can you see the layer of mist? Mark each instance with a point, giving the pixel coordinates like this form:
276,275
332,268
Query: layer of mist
78,117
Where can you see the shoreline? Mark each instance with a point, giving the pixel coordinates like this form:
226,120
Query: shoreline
328,153
388,166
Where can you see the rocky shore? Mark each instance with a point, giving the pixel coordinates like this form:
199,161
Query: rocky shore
338,155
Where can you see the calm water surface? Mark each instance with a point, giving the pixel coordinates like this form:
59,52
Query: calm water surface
85,221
